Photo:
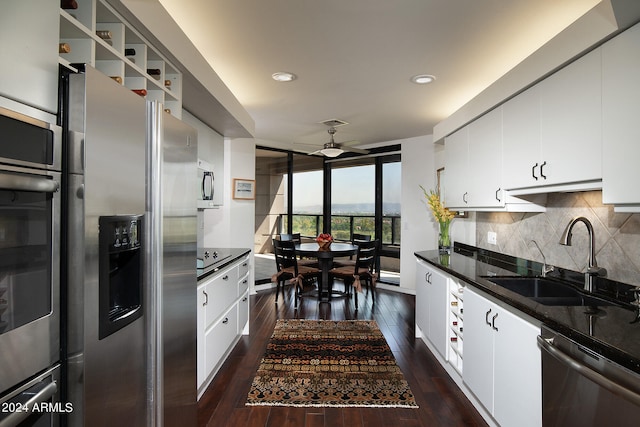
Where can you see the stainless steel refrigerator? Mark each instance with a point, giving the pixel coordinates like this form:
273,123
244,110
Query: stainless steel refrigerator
130,298
172,230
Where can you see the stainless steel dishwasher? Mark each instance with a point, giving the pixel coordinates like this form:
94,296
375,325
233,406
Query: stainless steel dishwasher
582,388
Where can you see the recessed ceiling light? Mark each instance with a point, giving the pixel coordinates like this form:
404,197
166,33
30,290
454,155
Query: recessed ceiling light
422,79
283,76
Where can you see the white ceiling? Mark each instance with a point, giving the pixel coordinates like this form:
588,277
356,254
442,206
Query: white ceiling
354,58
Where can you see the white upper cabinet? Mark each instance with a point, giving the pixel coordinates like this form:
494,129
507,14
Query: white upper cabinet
473,155
571,122
457,177
620,114
553,131
521,140
29,53
485,160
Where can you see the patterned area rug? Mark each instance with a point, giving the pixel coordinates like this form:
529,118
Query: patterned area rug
344,363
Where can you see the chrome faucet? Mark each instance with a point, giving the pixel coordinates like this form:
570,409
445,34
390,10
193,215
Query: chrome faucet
545,268
592,267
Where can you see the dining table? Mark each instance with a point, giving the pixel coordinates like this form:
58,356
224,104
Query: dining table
325,258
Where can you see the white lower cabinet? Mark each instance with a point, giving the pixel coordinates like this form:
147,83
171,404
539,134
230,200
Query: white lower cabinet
223,313
502,365
431,305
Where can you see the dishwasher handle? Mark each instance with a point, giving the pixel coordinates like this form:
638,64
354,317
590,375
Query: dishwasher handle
595,376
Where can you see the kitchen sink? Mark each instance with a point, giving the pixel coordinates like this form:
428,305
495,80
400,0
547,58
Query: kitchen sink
547,291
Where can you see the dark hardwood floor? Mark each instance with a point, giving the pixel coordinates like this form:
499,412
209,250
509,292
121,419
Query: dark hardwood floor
441,403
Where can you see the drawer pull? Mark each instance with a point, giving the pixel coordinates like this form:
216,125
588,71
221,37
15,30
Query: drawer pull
493,322
244,282
486,317
226,320
244,265
244,299
206,298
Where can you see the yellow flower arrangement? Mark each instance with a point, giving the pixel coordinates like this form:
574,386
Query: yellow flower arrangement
444,216
440,213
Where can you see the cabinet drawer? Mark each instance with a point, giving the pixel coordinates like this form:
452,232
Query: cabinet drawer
221,292
243,267
243,312
243,285
219,338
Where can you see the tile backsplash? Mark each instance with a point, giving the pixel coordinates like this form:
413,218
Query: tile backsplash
617,235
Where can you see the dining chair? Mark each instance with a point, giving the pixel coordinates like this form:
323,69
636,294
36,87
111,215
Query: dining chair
355,238
297,239
288,268
362,271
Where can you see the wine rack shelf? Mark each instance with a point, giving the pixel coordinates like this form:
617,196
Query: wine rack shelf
456,323
121,53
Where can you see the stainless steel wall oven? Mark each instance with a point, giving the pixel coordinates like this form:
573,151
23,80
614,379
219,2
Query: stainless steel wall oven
30,173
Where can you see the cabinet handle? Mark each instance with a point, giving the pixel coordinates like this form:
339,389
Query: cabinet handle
244,299
486,317
464,197
244,282
225,278
497,197
226,320
206,298
533,171
541,166
244,265
493,322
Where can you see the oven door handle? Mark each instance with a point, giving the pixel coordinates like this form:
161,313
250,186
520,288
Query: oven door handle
15,418
28,183
586,371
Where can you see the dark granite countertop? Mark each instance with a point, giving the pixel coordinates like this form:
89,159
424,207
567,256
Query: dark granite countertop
612,331
236,254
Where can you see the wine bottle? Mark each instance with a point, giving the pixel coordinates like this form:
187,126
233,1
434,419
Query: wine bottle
454,339
167,84
68,4
141,92
104,34
154,71
117,79
129,52
167,110
64,48
454,303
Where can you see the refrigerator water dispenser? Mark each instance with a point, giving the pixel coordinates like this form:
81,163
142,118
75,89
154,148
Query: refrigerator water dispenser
121,278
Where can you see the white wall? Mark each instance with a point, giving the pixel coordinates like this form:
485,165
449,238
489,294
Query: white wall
232,225
419,230
421,158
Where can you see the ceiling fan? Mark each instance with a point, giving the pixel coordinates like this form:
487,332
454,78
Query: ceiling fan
333,149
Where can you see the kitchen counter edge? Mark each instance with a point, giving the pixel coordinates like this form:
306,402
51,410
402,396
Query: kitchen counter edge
618,345
236,254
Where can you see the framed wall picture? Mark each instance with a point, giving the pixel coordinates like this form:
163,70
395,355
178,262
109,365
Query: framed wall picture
244,189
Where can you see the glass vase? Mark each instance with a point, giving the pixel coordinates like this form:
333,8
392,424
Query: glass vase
444,238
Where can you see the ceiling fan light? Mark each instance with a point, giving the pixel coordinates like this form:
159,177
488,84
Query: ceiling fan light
331,151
